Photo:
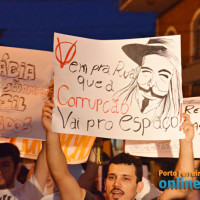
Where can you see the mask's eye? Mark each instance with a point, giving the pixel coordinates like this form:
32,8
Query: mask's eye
164,75
146,70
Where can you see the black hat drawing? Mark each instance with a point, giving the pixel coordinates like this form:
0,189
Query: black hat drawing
136,52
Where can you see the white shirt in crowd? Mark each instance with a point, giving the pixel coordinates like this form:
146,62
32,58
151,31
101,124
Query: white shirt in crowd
29,191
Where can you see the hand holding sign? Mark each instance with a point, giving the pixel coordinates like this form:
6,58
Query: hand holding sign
50,94
47,116
188,128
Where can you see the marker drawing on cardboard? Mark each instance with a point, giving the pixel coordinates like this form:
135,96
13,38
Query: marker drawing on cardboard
156,88
124,89
24,78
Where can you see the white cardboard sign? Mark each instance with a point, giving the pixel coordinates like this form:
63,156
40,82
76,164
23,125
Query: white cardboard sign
24,78
123,89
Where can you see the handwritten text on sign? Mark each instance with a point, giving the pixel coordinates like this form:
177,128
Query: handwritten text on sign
100,91
24,78
170,148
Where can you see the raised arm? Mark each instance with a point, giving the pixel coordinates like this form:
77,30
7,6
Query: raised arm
41,170
65,182
186,159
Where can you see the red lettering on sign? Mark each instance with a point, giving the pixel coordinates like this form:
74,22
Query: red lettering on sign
71,51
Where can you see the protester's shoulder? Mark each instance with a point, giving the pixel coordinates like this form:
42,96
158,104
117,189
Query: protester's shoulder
152,196
149,192
31,189
22,191
89,196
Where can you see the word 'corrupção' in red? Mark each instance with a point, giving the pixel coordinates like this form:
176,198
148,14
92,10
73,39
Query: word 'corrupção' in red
111,106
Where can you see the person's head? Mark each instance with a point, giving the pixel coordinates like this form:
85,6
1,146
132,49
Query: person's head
124,178
9,165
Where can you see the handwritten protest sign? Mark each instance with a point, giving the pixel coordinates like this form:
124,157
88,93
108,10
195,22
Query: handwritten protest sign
76,148
123,89
170,148
24,78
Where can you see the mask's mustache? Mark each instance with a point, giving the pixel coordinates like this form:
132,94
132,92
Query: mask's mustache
151,91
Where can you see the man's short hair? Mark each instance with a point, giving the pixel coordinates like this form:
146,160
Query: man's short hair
8,149
126,158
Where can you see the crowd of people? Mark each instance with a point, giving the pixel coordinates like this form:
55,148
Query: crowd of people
52,180
123,181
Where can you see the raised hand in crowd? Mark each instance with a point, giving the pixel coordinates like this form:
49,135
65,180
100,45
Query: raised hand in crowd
185,161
